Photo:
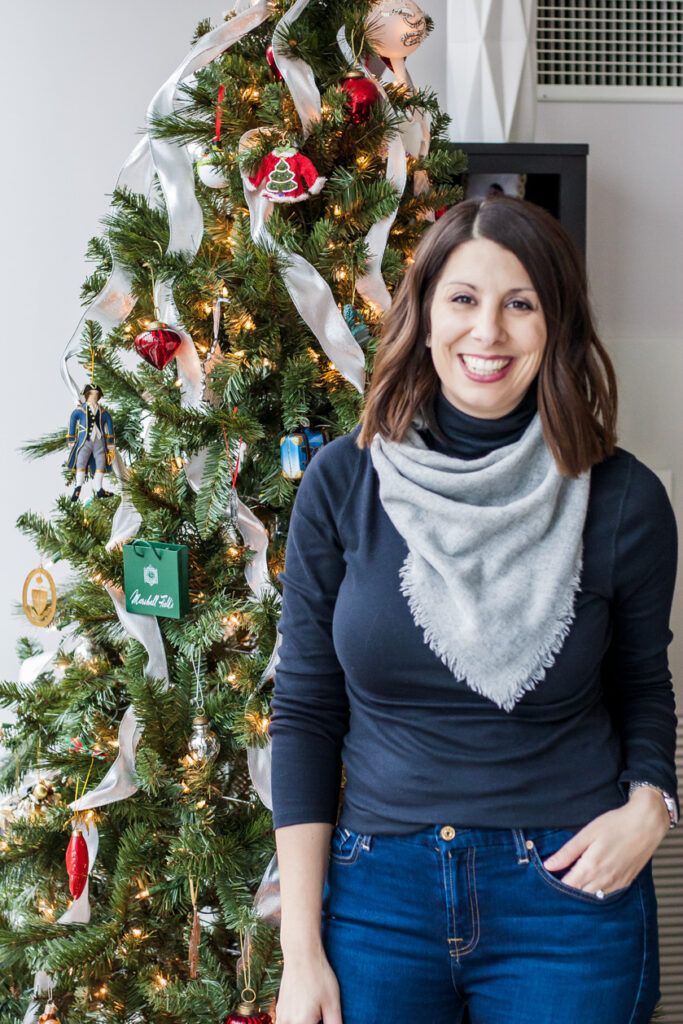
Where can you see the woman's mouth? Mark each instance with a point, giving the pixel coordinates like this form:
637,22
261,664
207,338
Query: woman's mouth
485,369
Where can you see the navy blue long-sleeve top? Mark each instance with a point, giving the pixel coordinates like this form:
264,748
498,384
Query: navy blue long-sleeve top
356,682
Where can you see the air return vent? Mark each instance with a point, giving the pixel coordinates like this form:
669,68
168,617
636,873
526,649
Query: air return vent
667,870
610,50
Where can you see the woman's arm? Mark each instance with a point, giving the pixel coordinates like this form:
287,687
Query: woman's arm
309,708
309,718
637,684
302,856
613,848
309,990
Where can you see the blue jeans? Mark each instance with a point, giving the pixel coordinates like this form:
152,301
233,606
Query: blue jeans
418,926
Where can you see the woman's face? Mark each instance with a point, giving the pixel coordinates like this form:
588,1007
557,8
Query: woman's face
486,313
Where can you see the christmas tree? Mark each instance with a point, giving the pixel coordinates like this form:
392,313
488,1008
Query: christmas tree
225,337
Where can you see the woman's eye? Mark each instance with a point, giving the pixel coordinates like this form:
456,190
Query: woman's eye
466,297
523,304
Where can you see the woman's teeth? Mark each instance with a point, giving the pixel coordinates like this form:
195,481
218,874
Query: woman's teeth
484,365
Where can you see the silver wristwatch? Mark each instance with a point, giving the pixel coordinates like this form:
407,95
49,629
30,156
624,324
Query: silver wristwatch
668,800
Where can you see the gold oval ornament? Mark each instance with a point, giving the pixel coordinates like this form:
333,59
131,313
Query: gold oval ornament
39,597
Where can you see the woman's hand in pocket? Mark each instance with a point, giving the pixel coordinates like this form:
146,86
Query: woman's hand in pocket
612,849
309,991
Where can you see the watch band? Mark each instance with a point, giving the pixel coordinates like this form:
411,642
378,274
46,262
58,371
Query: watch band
668,800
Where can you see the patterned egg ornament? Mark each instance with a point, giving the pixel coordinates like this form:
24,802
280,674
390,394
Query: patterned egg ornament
395,28
158,344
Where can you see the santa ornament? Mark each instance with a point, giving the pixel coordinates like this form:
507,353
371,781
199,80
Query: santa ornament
289,176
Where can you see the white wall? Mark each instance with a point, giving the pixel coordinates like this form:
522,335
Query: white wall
635,259
76,80
75,94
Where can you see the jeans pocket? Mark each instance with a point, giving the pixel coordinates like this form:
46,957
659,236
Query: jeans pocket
543,847
345,845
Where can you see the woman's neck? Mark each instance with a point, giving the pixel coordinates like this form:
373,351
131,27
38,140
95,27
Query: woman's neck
471,437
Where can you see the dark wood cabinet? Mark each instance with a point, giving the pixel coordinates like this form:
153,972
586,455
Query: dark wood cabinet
555,176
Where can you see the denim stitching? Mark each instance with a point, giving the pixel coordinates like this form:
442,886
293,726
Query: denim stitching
556,883
520,842
474,906
455,938
642,969
448,884
352,855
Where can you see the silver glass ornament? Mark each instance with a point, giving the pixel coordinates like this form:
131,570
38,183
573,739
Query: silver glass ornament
203,743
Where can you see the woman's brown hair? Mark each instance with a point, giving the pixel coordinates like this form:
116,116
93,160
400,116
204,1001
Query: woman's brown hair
577,387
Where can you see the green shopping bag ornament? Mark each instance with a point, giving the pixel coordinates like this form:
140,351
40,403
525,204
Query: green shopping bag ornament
155,578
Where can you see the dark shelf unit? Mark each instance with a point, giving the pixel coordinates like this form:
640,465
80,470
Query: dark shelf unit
556,176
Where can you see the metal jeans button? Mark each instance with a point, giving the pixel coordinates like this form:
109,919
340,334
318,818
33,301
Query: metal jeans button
447,832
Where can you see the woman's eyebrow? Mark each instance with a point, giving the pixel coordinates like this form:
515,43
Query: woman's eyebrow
525,288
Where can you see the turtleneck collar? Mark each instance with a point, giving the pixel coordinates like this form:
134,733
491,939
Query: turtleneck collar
472,437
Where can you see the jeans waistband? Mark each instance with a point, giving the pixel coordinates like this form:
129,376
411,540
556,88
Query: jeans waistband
453,837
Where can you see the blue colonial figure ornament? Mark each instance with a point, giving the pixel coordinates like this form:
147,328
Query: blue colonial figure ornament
91,437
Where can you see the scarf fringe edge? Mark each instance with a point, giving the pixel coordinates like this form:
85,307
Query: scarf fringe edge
546,655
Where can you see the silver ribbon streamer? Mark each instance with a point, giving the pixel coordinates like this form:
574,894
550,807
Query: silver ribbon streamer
371,285
259,761
79,911
297,73
309,292
114,302
42,985
32,667
119,782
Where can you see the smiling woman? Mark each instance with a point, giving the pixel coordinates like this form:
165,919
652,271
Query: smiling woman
496,277
475,622
487,330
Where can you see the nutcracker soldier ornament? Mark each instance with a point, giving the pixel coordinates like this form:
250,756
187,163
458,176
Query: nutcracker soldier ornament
91,437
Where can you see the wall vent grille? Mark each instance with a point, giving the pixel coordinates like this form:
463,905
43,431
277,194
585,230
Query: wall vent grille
612,49
667,871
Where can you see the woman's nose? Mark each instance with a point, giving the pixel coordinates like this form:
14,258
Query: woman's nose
488,326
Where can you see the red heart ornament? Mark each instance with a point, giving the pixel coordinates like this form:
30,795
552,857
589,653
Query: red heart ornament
158,344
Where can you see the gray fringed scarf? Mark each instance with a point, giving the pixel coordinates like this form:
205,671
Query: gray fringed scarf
495,554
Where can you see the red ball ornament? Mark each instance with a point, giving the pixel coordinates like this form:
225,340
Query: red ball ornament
440,213
158,344
248,1014
77,863
270,57
362,94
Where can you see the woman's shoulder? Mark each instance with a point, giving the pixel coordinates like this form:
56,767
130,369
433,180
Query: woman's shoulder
640,491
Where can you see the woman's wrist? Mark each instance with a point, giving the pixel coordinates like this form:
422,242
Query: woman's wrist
301,946
650,806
